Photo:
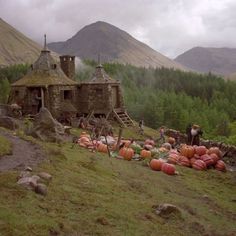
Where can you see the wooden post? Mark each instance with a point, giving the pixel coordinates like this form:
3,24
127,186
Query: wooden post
108,150
119,139
42,97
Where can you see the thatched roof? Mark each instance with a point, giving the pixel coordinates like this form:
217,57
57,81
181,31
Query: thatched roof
44,72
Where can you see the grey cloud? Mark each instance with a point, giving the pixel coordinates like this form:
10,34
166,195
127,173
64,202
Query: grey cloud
170,26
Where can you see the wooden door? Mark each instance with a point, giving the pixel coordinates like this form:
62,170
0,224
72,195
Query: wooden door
115,98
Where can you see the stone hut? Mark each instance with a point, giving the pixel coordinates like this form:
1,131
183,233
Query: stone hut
46,85
102,96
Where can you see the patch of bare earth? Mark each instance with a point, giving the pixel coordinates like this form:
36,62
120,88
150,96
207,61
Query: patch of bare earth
24,154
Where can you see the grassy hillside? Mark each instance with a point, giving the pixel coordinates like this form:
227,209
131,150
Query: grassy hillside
92,194
5,146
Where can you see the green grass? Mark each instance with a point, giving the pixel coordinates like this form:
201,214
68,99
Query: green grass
5,146
92,194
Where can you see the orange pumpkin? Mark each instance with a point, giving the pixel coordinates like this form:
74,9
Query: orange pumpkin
220,165
84,139
84,134
168,169
173,158
199,165
145,154
102,148
187,151
184,161
127,153
215,150
156,164
200,150
171,140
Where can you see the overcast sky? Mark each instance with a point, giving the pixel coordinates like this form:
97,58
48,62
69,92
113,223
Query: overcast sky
169,26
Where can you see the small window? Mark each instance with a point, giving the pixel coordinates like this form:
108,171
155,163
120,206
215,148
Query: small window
54,66
67,94
16,93
98,91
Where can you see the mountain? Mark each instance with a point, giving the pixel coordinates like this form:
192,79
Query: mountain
113,44
16,48
231,76
220,61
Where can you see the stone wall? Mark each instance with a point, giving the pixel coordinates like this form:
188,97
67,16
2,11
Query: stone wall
229,151
97,97
56,97
3,109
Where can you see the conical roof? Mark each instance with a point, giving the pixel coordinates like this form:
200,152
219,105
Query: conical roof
44,72
100,76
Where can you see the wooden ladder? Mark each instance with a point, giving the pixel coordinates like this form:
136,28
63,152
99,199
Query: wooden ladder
123,117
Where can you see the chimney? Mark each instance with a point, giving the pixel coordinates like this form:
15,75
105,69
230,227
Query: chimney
68,65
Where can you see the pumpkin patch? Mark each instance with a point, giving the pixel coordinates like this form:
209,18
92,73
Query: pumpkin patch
198,157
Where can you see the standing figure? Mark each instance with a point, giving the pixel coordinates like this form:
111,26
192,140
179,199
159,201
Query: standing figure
188,133
36,101
161,134
194,135
141,124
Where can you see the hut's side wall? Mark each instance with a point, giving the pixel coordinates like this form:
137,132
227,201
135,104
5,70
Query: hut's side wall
82,99
100,98
58,94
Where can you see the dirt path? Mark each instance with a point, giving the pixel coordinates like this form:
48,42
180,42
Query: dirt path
24,154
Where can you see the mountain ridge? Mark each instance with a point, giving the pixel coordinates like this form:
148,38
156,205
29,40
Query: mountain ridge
114,45
221,61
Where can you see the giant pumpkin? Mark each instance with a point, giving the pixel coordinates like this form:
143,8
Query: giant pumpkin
145,154
200,150
127,153
184,161
102,148
215,150
220,165
187,151
199,165
168,169
156,164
